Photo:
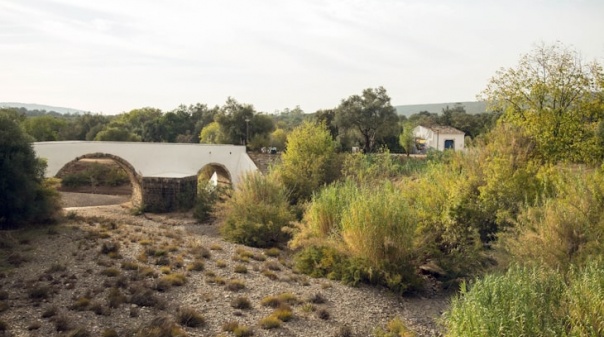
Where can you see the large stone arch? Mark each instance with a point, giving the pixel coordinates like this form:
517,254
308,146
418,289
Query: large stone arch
223,174
135,179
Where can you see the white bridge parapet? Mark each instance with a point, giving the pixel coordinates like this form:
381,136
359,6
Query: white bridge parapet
165,160
163,175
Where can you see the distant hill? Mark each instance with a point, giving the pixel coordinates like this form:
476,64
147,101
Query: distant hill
40,107
408,110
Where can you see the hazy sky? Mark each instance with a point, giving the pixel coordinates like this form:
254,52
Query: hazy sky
112,56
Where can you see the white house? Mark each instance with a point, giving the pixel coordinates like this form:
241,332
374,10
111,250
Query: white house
438,137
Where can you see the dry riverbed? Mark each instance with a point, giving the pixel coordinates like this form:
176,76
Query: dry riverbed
106,271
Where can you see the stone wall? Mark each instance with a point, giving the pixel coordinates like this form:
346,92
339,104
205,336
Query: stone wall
168,194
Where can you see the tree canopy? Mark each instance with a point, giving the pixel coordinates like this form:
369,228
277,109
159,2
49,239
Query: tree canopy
371,115
557,99
23,196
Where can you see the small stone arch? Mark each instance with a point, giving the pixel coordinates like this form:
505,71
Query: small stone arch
222,174
135,179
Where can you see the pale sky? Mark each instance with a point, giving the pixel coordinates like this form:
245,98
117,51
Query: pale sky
111,56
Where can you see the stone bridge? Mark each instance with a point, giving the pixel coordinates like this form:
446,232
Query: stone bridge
163,175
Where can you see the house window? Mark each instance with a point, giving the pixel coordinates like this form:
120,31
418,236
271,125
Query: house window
450,144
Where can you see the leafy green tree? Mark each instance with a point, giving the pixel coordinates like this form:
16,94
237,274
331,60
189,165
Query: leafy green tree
288,119
371,115
211,134
115,134
424,118
24,197
407,138
278,139
239,123
13,114
556,98
232,120
44,128
309,160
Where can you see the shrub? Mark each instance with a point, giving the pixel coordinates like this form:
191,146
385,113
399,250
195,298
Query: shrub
110,272
566,228
235,285
323,314
257,213
584,299
283,313
25,197
496,302
191,318
62,323
50,312
240,269
271,301
80,304
241,303
394,328
206,199
273,252
243,331
145,298
115,298
109,333
230,326
270,322
161,326
40,292
197,265
309,161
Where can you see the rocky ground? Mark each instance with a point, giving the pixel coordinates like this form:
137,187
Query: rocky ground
105,272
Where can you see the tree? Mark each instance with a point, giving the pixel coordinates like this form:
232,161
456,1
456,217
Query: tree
239,123
211,134
23,194
407,138
556,99
115,134
44,128
371,114
308,161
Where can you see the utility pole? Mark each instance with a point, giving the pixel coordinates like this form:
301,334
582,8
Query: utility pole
247,131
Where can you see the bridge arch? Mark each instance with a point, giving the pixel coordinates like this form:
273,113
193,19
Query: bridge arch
223,176
136,197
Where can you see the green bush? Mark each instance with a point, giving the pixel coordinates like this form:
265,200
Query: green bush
567,228
257,213
531,301
309,161
25,197
206,199
359,235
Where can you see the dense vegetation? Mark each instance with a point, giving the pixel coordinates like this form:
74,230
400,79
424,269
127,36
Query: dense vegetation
516,219
367,121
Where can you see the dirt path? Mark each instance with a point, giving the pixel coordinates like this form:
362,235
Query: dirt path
72,199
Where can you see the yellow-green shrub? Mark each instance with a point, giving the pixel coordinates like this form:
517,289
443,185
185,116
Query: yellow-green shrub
531,301
256,213
565,229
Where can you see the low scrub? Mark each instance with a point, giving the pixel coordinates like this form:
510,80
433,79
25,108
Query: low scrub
257,213
565,229
531,301
358,234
